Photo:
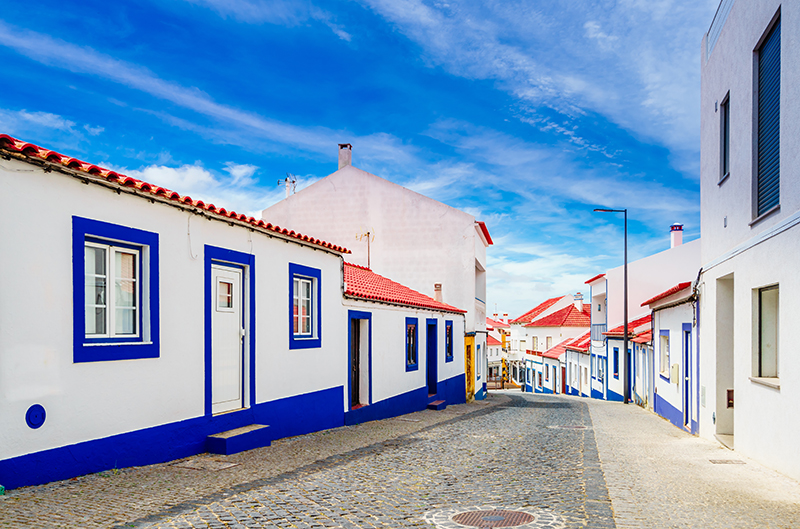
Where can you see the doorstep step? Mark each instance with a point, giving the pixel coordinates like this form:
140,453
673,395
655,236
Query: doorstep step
437,405
238,440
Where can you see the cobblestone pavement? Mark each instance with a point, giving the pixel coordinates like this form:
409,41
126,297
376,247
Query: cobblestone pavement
559,461
659,476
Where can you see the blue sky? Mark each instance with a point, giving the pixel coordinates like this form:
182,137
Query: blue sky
525,114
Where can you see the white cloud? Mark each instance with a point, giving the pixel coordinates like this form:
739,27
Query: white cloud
93,131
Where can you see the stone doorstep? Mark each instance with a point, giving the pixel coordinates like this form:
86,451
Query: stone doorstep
239,439
437,405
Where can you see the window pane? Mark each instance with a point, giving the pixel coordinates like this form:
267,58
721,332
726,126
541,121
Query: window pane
95,260
125,293
768,333
95,320
94,290
225,291
125,321
125,265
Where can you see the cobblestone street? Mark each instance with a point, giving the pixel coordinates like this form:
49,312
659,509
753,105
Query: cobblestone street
530,460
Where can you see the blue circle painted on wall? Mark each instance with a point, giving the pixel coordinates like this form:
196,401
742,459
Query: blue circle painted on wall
35,416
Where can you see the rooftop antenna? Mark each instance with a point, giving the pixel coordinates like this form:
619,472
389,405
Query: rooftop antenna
290,182
370,236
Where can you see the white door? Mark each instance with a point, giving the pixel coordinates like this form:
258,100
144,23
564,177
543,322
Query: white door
227,334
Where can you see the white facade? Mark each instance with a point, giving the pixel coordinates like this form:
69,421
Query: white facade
750,289
448,245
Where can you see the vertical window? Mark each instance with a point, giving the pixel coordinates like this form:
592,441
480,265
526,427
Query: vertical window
112,291
548,343
767,362
448,341
411,344
535,344
769,117
547,372
664,353
616,362
305,300
725,138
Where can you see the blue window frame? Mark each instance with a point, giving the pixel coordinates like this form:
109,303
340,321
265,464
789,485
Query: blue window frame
305,307
448,341
769,118
117,267
412,347
616,362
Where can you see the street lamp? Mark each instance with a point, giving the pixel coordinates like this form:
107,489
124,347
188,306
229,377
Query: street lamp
627,375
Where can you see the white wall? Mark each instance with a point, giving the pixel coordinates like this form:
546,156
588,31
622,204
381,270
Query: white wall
98,399
672,319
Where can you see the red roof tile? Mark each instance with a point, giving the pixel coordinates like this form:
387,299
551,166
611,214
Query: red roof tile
31,151
645,337
566,317
581,343
496,324
595,278
485,232
491,340
674,290
632,327
363,283
558,350
541,307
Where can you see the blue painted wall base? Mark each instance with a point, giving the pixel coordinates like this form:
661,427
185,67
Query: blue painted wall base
597,394
615,397
666,410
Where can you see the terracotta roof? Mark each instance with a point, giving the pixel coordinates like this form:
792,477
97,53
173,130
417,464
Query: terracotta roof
566,317
496,324
645,337
34,152
674,290
595,278
485,231
541,307
491,340
361,282
632,326
558,350
581,343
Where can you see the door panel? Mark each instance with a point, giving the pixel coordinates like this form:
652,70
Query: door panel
227,333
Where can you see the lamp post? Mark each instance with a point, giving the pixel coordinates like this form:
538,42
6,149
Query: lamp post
626,355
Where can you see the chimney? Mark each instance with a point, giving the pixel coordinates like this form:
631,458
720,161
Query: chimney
345,154
437,291
675,235
505,317
578,301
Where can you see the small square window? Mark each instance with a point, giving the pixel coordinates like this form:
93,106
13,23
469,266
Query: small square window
305,298
224,296
412,363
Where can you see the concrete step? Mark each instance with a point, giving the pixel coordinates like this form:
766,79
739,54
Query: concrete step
238,440
437,405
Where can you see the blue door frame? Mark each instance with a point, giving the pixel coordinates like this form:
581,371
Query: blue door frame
431,362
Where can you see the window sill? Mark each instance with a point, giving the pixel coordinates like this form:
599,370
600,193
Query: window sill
764,215
664,377
724,178
112,343
413,367
770,382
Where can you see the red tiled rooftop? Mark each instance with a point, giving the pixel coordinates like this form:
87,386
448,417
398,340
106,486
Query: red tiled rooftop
645,337
566,317
485,231
595,278
557,350
496,324
491,340
581,343
632,326
674,290
363,283
34,152
541,307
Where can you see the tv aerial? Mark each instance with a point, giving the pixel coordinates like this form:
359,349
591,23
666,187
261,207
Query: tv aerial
290,182
369,235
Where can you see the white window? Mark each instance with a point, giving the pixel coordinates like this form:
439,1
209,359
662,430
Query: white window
303,306
535,344
549,343
767,361
112,291
664,350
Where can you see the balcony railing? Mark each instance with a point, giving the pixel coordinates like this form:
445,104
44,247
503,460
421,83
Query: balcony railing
597,331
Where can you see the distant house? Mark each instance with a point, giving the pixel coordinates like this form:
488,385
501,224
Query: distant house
170,320
578,366
497,334
670,380
608,366
394,231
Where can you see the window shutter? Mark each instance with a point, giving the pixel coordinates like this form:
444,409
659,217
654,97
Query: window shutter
769,114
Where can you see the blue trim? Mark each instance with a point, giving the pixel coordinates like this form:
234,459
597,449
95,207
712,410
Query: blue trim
287,417
358,315
665,409
147,345
316,316
432,354
596,394
225,257
686,327
452,391
415,365
669,355
614,397
616,363
481,393
448,348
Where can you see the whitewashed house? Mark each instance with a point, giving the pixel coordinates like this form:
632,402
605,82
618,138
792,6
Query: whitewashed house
385,223
670,380
578,365
608,366
497,335
750,210
136,325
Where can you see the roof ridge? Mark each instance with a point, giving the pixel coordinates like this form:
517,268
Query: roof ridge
30,150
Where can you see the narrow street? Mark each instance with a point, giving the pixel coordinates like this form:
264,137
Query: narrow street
516,460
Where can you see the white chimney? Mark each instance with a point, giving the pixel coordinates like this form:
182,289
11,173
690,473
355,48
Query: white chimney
437,292
675,235
345,154
505,317
578,301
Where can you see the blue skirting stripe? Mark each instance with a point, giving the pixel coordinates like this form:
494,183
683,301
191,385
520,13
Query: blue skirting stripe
615,397
597,394
663,408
